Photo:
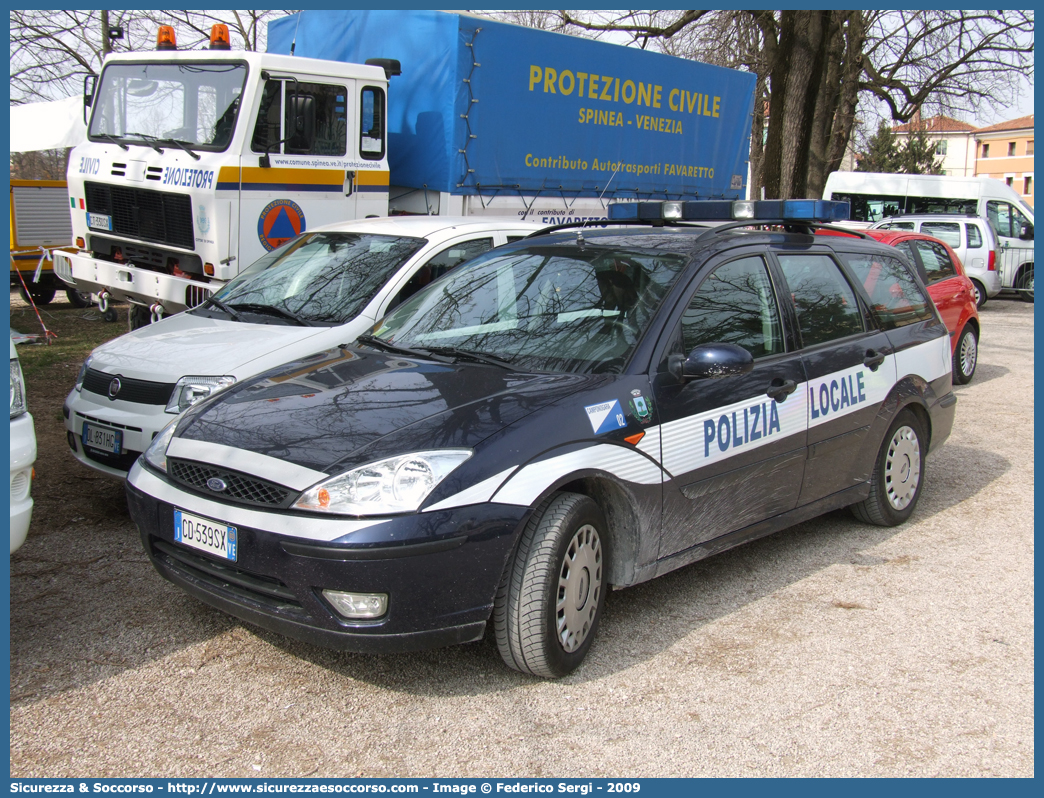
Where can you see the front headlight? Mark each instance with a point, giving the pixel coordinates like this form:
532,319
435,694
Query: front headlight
17,389
83,372
156,454
395,485
190,390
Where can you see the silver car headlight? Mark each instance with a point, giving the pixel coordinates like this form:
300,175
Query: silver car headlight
190,390
156,454
394,485
18,405
83,372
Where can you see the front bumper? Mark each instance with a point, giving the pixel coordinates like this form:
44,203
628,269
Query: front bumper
131,283
440,569
138,425
23,455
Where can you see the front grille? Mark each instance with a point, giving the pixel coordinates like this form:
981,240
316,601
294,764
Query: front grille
241,488
143,213
141,392
226,576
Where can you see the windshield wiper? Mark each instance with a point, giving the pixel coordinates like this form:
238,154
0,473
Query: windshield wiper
221,306
388,346
112,139
478,357
182,144
273,310
150,140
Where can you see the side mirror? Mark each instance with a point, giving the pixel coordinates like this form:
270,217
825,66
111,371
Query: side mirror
1026,233
712,361
302,121
90,82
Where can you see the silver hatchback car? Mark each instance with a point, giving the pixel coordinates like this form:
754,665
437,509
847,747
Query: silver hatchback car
971,237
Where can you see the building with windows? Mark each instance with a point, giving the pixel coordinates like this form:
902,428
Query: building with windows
953,142
1005,151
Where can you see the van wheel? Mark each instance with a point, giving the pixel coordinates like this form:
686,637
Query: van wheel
965,356
1026,284
550,599
979,292
898,475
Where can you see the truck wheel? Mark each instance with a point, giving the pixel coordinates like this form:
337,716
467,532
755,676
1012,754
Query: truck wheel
41,293
965,356
979,292
77,299
547,607
898,475
140,316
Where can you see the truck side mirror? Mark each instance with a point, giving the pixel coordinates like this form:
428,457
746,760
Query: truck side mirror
89,84
711,361
1026,233
302,116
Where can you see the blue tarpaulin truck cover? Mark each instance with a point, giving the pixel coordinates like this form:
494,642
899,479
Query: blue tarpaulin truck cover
485,106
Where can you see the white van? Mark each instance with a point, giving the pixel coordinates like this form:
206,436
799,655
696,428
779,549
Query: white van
874,196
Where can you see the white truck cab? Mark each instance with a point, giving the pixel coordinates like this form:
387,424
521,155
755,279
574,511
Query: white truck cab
199,162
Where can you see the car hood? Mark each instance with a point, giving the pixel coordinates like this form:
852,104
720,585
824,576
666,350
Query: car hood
187,344
344,407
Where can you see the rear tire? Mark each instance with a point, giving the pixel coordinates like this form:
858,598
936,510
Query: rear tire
140,316
550,598
898,474
979,292
965,356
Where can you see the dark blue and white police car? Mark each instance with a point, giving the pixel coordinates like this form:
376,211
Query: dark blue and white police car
579,410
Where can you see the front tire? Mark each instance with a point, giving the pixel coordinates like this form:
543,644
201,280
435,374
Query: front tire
550,599
965,356
898,474
1026,284
41,293
78,299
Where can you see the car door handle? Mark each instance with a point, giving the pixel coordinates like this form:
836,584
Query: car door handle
781,389
873,360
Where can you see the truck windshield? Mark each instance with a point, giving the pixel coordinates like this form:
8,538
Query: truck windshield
542,308
321,278
193,103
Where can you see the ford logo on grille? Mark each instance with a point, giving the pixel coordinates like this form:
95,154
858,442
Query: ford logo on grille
216,485
114,387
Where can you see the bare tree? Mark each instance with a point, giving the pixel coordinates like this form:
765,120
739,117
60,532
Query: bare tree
51,51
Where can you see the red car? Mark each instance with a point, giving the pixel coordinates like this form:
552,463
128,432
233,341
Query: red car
949,287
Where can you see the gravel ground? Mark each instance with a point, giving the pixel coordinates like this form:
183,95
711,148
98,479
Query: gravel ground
830,649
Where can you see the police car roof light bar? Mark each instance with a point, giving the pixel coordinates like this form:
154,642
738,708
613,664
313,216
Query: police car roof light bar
764,211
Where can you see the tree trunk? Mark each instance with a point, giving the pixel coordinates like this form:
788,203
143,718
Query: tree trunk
847,101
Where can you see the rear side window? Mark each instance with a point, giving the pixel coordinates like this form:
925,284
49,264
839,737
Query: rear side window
441,263
950,232
371,123
898,226
895,297
936,260
826,304
974,237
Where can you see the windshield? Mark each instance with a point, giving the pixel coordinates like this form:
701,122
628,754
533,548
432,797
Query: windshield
195,104
327,278
542,308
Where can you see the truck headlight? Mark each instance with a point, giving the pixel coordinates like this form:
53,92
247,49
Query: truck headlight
190,390
156,454
83,372
394,485
18,405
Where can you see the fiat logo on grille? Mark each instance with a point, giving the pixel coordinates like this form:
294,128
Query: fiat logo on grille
216,485
114,387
